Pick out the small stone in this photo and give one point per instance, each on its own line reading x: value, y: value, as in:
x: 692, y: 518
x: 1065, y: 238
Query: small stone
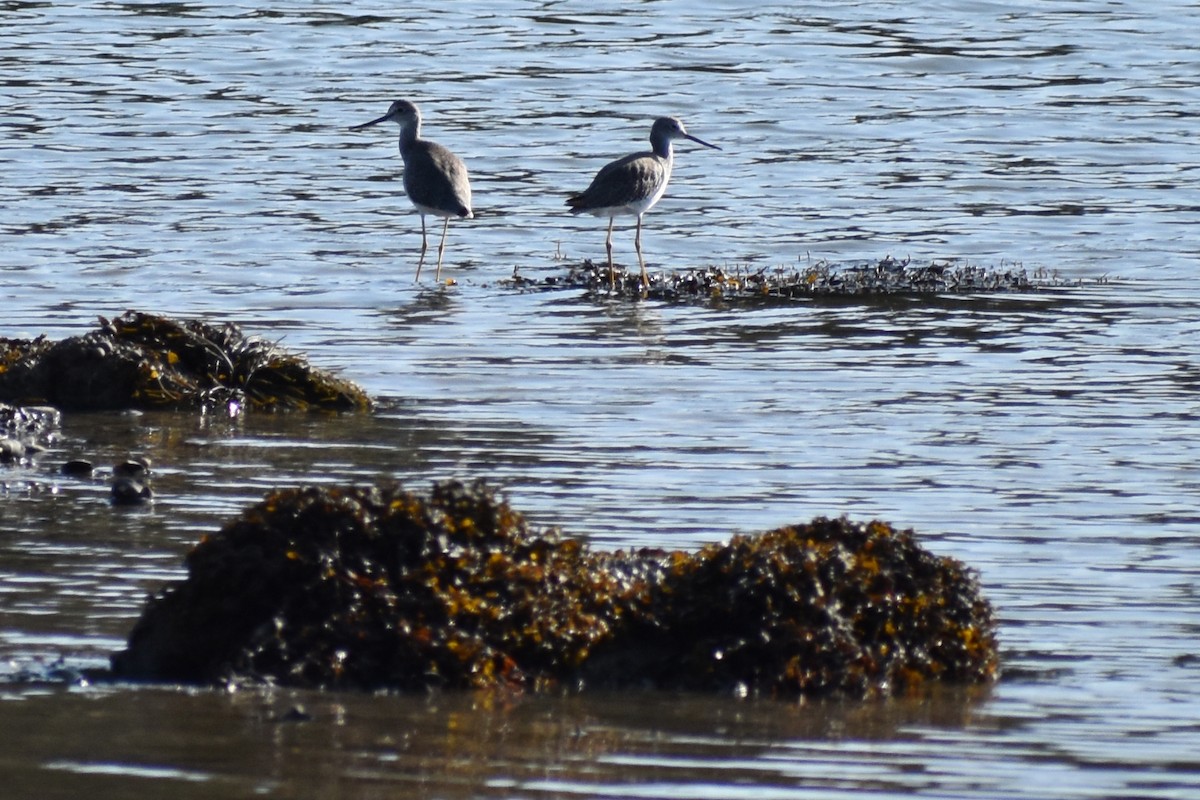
x: 297, y: 713
x: 11, y: 451
x: 77, y: 468
x: 129, y: 492
x: 136, y: 467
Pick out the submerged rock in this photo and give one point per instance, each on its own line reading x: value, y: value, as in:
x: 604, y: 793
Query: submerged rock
x: 77, y: 468
x: 131, y: 482
x: 145, y: 361
x: 380, y: 588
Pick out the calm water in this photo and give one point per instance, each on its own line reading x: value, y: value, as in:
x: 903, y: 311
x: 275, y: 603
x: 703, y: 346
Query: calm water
x: 195, y: 160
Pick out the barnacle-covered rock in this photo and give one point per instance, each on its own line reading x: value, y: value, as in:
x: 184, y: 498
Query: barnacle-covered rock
x: 145, y: 361
x: 886, y: 277
x: 382, y: 588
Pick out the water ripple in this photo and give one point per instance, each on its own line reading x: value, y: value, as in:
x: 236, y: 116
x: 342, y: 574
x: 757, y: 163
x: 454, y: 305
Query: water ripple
x: 197, y: 160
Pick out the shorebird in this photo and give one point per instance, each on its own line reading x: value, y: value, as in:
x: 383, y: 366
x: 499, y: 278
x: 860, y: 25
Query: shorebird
x: 435, y: 179
x: 632, y: 185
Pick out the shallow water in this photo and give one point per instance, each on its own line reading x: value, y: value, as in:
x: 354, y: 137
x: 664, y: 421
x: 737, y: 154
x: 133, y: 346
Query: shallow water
x: 195, y: 160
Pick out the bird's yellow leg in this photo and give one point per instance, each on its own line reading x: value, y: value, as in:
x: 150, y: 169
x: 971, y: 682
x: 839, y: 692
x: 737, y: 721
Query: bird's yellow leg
x: 612, y: 273
x: 637, y: 242
x: 442, y: 249
x: 424, y: 246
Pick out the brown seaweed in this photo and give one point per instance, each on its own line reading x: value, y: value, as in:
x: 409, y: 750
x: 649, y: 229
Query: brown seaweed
x: 887, y: 277
x: 145, y: 361
x: 381, y: 588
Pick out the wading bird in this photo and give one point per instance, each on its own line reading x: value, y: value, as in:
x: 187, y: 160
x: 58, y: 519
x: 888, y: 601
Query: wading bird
x: 632, y: 185
x: 435, y: 179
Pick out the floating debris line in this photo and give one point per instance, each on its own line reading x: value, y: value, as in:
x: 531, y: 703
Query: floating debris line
x: 380, y: 588
x: 887, y: 277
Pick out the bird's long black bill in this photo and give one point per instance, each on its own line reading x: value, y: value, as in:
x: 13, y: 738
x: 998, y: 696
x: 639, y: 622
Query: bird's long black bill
x: 369, y: 124
x: 700, y: 141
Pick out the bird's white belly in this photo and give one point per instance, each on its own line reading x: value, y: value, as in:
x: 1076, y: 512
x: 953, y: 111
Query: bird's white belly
x: 437, y: 212
x: 632, y: 208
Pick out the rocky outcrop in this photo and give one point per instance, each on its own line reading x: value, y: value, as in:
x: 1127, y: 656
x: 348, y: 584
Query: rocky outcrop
x: 143, y: 361
x: 381, y: 588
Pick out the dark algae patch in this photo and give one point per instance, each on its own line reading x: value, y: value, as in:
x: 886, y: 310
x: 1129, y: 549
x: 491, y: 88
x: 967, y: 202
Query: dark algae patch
x: 381, y: 588
x: 883, y: 278
x: 144, y: 361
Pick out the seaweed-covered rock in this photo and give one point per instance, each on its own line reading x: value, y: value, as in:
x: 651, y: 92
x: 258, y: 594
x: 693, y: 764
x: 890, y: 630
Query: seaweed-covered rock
x: 382, y: 588
x: 378, y: 587
x: 145, y: 361
x: 830, y: 606
x: 886, y: 277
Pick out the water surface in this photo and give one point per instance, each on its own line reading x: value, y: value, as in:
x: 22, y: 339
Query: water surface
x: 195, y: 160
